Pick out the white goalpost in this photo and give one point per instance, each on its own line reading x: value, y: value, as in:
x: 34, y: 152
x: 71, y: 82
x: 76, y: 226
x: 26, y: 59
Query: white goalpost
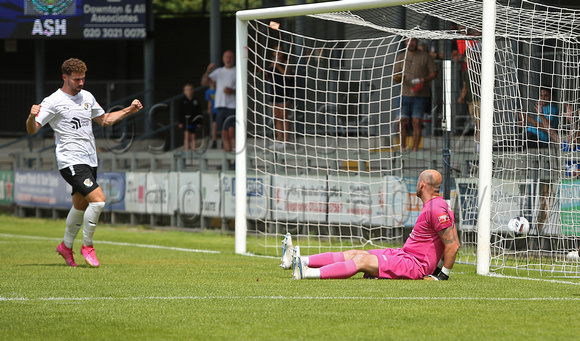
x: 318, y: 138
x: 486, y: 124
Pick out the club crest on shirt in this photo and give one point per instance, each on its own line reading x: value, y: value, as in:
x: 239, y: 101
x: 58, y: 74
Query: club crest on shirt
x: 444, y: 219
x: 88, y: 182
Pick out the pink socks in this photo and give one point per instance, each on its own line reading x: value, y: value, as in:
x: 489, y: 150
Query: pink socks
x: 339, y: 270
x: 322, y: 259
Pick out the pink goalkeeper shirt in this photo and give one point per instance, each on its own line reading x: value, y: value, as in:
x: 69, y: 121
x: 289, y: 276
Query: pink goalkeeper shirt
x: 424, y: 242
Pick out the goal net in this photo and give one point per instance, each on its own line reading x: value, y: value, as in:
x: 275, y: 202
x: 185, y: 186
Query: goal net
x: 322, y: 136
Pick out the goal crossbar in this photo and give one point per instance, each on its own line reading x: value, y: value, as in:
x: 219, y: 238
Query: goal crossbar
x: 317, y: 8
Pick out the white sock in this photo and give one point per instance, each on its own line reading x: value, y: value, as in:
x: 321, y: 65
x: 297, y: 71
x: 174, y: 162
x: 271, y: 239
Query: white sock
x: 305, y: 260
x: 74, y: 221
x: 312, y: 273
x: 90, y: 221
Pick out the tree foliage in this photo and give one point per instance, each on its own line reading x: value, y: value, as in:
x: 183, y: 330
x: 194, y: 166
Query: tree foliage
x: 200, y: 6
x: 180, y: 7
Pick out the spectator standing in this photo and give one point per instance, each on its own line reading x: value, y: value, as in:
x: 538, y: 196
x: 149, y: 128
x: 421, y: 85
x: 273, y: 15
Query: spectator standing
x: 467, y: 98
x: 310, y: 59
x: 189, y: 116
x: 211, y: 110
x: 282, y: 91
x: 419, y: 71
x: 225, y: 98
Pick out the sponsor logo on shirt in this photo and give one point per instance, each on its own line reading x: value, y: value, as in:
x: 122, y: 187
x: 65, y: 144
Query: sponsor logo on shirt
x: 76, y: 123
x: 444, y: 219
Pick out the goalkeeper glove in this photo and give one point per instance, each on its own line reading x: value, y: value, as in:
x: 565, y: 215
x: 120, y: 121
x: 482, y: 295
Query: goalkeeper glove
x: 437, y: 271
x: 440, y: 277
x: 440, y: 274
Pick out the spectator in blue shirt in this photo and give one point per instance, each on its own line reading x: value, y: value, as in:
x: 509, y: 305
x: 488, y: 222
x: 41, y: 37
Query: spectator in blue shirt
x: 542, y: 125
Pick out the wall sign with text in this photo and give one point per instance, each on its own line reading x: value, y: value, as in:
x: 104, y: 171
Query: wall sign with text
x: 73, y: 19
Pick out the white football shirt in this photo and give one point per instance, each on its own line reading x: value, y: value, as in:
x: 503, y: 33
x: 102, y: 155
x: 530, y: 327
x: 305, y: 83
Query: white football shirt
x: 71, y: 118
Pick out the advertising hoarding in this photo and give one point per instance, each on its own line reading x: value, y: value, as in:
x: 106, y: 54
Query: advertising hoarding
x: 73, y: 19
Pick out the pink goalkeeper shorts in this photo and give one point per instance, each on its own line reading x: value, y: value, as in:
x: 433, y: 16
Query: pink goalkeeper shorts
x: 396, y: 264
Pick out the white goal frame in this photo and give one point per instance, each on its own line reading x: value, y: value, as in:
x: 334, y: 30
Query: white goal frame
x: 485, y: 174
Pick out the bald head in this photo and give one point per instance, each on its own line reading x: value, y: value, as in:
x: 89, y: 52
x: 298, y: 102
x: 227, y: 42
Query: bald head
x: 229, y: 59
x: 432, y: 178
x: 429, y: 184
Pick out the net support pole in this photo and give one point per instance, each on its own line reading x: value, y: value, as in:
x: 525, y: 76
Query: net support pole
x: 241, y: 224
x: 447, y: 129
x: 486, y: 138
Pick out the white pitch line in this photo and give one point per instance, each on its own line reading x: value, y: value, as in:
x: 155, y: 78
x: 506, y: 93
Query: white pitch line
x: 28, y: 237
x: 149, y: 246
x: 258, y: 256
x: 533, y: 279
x: 319, y: 298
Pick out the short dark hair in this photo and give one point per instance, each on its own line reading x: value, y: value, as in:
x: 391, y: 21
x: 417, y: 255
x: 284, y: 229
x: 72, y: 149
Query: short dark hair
x: 547, y: 89
x: 73, y: 65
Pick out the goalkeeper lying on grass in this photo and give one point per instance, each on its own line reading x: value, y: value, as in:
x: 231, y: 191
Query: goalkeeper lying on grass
x: 433, y: 237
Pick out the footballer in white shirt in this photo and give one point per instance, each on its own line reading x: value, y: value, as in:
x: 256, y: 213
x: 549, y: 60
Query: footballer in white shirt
x: 70, y: 112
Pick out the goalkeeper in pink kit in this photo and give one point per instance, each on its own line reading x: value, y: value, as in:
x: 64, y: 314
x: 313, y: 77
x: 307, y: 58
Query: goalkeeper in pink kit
x: 434, y: 237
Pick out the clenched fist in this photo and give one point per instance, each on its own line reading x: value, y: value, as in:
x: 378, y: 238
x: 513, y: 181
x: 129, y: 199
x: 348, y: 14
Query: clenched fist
x: 34, y: 110
x: 136, y: 105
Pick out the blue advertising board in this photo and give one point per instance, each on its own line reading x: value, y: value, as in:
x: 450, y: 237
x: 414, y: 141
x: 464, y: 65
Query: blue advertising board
x: 113, y: 185
x: 41, y: 189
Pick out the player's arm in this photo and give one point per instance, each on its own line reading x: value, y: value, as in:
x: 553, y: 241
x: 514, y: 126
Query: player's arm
x: 111, y: 118
x: 32, y: 127
x: 451, y: 243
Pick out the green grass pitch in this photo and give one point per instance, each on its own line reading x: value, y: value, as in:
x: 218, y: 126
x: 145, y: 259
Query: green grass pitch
x: 159, y: 285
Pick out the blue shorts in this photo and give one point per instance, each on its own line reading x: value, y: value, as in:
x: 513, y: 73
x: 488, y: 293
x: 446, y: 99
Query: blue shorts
x: 413, y: 107
x: 226, y: 118
x: 192, y: 128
